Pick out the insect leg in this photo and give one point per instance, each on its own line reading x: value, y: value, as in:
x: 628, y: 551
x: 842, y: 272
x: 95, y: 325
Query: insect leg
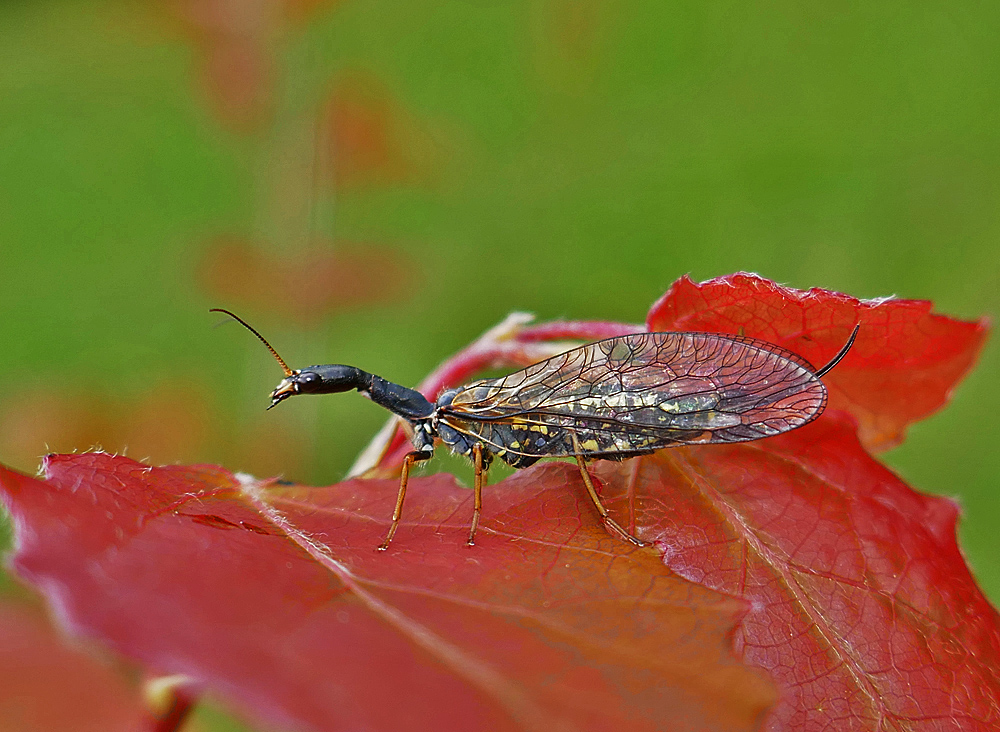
x: 404, y: 477
x: 480, y: 480
x: 609, y: 522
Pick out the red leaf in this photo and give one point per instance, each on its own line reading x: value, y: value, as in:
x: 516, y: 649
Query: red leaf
x: 363, y: 142
x: 914, y: 632
x: 860, y: 605
x: 238, y: 41
x: 371, y: 138
x: 237, y: 65
x: 47, y: 685
x: 310, y: 285
x: 275, y: 597
x: 902, y: 368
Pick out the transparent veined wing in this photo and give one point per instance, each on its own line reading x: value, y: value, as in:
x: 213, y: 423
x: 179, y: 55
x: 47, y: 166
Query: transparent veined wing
x: 641, y: 392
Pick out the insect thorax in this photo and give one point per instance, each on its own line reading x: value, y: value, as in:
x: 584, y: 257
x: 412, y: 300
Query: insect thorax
x: 457, y: 442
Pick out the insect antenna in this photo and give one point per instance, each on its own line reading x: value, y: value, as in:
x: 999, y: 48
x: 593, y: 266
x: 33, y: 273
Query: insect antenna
x: 839, y: 356
x: 234, y: 316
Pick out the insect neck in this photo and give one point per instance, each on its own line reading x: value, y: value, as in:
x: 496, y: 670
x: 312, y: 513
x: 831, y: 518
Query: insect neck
x: 409, y: 404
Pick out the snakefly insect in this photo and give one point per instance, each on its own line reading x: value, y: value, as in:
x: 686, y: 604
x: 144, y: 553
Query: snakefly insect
x: 610, y: 400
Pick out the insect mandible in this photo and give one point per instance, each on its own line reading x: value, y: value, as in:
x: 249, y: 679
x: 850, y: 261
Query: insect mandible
x: 612, y: 399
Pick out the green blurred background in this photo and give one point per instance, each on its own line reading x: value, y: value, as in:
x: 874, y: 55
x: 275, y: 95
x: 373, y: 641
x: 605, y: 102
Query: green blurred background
x: 376, y: 183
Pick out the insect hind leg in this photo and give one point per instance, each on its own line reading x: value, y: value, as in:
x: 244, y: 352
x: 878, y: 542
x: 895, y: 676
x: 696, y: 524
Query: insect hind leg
x: 613, y: 526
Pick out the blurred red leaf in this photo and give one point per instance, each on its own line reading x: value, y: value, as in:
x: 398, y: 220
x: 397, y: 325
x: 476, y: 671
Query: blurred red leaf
x: 275, y: 597
x: 363, y: 148
x: 237, y: 61
x: 239, y: 43
x: 371, y: 138
x: 308, y: 285
x: 858, y: 601
x: 47, y: 685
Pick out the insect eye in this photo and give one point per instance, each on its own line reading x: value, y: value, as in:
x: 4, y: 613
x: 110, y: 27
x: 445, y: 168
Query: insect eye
x: 307, y: 379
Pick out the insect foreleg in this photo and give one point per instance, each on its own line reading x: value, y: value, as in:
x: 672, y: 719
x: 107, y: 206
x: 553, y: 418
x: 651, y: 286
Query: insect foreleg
x: 404, y: 477
x: 609, y: 522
